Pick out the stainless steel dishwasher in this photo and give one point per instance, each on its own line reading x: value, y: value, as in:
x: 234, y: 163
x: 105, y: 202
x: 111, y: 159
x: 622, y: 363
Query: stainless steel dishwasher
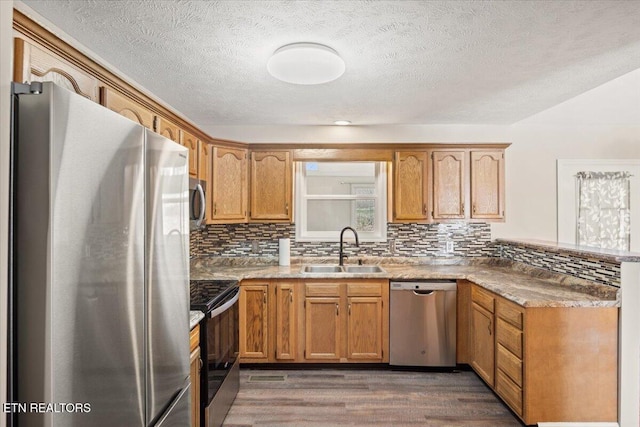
x: 422, y: 329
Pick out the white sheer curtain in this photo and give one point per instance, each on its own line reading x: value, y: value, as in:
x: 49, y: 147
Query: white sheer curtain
x: 603, y: 210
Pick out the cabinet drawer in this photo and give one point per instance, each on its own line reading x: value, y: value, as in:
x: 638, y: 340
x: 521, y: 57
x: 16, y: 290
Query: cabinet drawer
x: 509, y: 336
x: 482, y: 298
x: 322, y: 289
x: 508, y: 363
x: 364, y: 289
x: 509, y: 391
x: 194, y: 338
x: 510, y: 312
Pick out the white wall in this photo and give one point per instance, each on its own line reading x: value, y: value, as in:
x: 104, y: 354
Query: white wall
x: 603, y: 123
x: 6, y: 66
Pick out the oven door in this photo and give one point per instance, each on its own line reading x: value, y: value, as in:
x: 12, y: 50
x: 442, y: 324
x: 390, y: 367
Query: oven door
x: 197, y: 203
x: 220, y: 367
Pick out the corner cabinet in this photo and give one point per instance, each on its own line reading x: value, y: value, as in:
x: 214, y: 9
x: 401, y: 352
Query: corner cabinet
x: 410, y: 186
x: 547, y: 363
x: 229, y: 176
x: 271, y: 186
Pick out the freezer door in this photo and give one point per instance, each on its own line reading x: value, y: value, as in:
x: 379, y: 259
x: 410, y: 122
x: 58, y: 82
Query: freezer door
x: 167, y: 273
x: 80, y: 273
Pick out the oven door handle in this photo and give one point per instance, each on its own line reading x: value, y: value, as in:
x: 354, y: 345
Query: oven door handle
x: 224, y: 307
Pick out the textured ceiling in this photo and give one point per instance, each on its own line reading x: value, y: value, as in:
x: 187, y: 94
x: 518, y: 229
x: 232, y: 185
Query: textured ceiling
x: 408, y: 62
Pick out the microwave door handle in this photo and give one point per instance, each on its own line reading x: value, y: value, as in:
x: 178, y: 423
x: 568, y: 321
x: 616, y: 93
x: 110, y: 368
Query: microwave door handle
x: 200, y: 191
x: 224, y: 307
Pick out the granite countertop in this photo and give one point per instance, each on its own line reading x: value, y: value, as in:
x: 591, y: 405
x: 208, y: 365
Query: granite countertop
x: 526, y: 286
x: 195, y: 317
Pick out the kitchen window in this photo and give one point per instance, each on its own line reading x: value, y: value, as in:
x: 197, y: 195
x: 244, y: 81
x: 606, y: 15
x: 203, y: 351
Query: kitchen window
x: 332, y: 195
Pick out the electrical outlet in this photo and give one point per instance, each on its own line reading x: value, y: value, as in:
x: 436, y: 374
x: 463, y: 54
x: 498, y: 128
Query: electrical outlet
x: 392, y: 246
x: 254, y: 246
x: 449, y: 246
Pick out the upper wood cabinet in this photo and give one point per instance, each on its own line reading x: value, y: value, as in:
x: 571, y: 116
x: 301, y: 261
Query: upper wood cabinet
x: 33, y: 63
x: 442, y: 187
x: 410, y: 186
x: 126, y: 107
x: 229, y: 174
x: 193, y: 145
x: 487, y: 184
x: 449, y: 178
x: 167, y: 129
x: 204, y: 161
x: 271, y: 183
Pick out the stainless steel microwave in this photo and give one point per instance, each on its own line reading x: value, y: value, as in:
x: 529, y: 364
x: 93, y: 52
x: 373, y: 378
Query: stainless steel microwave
x: 197, y: 203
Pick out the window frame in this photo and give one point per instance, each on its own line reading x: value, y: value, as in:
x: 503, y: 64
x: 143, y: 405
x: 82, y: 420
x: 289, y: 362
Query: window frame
x: 301, y: 199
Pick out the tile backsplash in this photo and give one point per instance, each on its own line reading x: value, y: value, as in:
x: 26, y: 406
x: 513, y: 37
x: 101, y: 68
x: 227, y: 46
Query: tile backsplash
x: 413, y: 240
x: 559, y: 261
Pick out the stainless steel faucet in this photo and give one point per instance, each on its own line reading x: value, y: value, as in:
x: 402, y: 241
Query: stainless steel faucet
x: 342, y: 255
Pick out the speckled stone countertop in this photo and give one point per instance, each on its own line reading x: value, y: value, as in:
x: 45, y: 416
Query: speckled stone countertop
x: 195, y: 317
x: 526, y: 286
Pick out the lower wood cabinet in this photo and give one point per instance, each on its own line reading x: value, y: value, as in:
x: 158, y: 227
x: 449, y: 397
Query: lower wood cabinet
x: 196, y: 366
x: 547, y: 363
x: 253, y: 319
x: 320, y: 321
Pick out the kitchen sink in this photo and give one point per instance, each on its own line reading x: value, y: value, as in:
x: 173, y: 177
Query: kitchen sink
x: 363, y: 269
x: 339, y: 269
x: 322, y: 269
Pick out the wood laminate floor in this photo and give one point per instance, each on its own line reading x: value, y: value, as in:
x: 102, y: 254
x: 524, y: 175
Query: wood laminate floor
x: 323, y: 397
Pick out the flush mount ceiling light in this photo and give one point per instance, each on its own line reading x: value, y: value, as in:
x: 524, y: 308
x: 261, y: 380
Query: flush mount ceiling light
x: 305, y: 64
x: 342, y: 122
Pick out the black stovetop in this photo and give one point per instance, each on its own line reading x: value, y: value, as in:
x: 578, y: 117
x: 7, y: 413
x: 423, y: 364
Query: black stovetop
x: 205, y: 294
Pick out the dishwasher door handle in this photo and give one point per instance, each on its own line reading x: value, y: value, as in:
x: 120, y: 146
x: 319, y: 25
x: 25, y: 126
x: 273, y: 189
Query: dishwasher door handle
x: 423, y: 293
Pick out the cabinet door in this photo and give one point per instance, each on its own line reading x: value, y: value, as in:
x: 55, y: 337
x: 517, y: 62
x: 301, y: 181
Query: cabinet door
x: 270, y: 185
x: 204, y: 161
x: 167, y: 129
x: 483, y: 343
x: 286, y: 321
x: 34, y: 64
x: 322, y: 328
x: 410, y: 186
x: 364, y: 330
x: 229, y: 186
x: 253, y: 321
x: 192, y: 143
x: 449, y: 180
x: 126, y: 107
x: 196, y: 364
x: 487, y: 184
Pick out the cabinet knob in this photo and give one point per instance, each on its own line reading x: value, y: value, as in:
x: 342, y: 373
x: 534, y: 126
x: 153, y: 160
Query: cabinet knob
x: 349, y: 309
x: 337, y: 310
x: 462, y: 208
x: 291, y: 295
x: 264, y: 296
x: 286, y: 208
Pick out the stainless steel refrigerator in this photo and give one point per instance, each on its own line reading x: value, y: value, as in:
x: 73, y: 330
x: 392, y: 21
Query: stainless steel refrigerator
x: 101, y: 269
